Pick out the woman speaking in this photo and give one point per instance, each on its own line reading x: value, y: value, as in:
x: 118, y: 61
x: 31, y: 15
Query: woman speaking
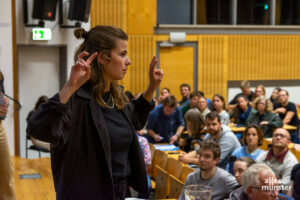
x: 90, y: 124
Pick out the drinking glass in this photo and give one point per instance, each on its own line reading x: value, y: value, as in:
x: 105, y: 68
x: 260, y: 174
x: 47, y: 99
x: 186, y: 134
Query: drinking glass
x: 198, y: 192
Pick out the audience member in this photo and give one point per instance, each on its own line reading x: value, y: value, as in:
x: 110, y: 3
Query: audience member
x: 279, y: 158
x: 258, y: 183
x: 287, y: 112
x: 259, y: 91
x: 219, y: 133
x: 164, y: 92
x: 207, y: 99
x: 165, y: 122
x: 7, y: 185
x: 194, y: 99
x: 147, y: 158
x: 295, y: 182
x: 252, y: 138
x: 202, y: 105
x: 240, y: 166
x: 185, y: 90
x: 246, y: 91
x: 221, y: 182
x: 218, y: 104
x: 264, y: 117
x: 243, y: 111
x: 41, y: 100
x: 274, y: 98
x: 194, y: 124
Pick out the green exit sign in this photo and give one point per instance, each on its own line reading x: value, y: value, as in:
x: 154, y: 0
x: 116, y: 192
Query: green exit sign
x: 41, y: 34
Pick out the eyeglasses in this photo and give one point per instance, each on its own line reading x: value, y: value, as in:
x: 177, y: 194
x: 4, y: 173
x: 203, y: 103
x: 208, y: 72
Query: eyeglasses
x: 266, y: 190
x: 279, y: 135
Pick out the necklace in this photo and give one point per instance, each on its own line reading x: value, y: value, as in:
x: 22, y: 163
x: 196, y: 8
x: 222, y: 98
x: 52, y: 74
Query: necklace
x: 109, y: 100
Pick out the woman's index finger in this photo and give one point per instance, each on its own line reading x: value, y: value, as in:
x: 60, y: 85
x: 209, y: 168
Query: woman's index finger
x: 91, y: 58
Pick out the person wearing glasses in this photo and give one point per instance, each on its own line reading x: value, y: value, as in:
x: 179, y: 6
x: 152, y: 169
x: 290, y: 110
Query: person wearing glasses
x: 279, y: 158
x: 259, y: 182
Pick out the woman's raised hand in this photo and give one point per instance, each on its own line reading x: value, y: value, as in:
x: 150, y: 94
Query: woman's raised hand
x: 155, y: 75
x: 80, y: 72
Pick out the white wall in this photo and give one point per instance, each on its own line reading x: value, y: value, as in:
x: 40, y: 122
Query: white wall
x: 37, y: 77
x: 293, y: 87
x: 59, y: 37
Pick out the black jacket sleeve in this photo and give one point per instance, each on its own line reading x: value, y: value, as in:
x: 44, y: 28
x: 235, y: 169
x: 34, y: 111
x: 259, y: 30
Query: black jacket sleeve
x: 50, y: 122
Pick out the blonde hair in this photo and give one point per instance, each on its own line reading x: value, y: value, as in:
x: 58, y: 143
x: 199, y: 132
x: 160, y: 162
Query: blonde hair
x: 269, y: 104
x: 101, y: 39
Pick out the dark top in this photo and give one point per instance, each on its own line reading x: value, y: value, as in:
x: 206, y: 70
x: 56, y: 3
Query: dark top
x: 121, y: 137
x: 164, y: 125
x: 289, y: 107
x: 295, y: 177
x: 81, y: 157
x: 183, y: 100
x: 274, y: 122
x: 234, y: 100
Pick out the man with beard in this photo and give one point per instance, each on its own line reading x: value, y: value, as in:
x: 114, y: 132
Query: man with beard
x: 221, y: 134
x: 221, y: 182
x: 279, y: 158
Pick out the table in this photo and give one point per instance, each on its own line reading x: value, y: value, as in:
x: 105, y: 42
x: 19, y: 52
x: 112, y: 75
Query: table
x: 240, y: 129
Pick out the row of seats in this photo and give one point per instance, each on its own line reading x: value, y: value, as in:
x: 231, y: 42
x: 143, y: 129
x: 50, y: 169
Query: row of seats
x: 168, y: 174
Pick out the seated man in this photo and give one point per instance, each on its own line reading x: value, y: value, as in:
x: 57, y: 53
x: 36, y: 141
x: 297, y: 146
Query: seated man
x: 287, y: 112
x: 279, y: 158
x: 258, y: 182
x: 194, y: 98
x: 221, y: 134
x: 246, y: 91
x: 185, y: 90
x: 165, y: 122
x: 221, y: 182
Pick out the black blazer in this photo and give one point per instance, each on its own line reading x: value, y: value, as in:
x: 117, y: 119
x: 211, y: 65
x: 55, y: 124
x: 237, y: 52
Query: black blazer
x: 80, y: 147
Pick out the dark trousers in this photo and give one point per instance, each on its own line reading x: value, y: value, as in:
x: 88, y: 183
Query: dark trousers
x: 121, y: 190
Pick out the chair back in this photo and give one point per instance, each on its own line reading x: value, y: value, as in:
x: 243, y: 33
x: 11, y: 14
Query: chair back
x: 176, y: 186
x: 185, y: 172
x: 174, y: 167
x: 160, y: 158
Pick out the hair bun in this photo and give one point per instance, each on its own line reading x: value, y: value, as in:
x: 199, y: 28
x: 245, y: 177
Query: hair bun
x: 80, y: 33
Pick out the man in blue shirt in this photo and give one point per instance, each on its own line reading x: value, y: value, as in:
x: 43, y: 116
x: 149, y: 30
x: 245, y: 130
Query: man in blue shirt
x: 165, y: 122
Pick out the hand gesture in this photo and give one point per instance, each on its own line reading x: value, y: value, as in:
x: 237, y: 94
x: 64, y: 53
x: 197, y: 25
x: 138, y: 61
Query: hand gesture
x: 155, y: 75
x: 80, y: 72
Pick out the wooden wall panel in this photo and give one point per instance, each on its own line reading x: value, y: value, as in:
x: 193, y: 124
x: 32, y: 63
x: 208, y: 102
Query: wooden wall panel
x: 141, y: 17
x: 141, y: 50
x: 263, y: 57
x: 109, y: 12
x: 212, y: 67
x: 177, y: 71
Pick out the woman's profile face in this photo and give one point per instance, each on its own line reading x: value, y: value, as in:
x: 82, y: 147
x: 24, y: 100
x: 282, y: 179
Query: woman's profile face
x: 116, y: 66
x: 239, y: 168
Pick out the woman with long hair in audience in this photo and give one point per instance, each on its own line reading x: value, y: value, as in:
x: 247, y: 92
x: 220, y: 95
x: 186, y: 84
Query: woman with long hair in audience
x: 259, y: 91
x: 274, y: 96
x: 265, y: 118
x: 242, y: 111
x: 240, y: 166
x: 195, y: 125
x: 202, y: 105
x: 252, y: 138
x: 218, y: 104
x: 164, y: 92
x: 95, y: 153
